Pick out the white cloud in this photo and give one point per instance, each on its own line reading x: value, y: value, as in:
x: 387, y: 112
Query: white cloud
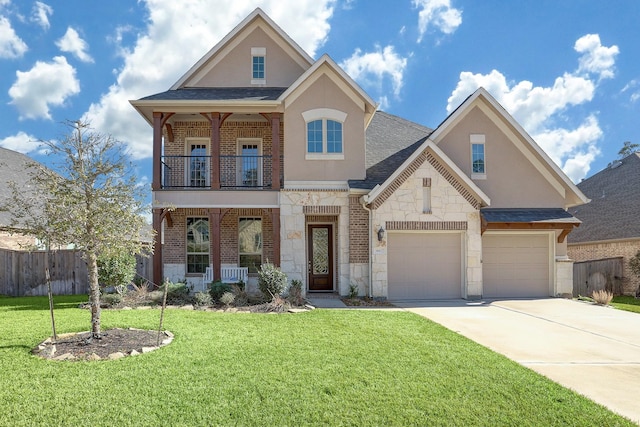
x: 543, y: 111
x: 372, y: 68
x: 439, y: 14
x: 11, y: 46
x: 20, y: 142
x: 159, y: 58
x: 632, y: 87
x: 46, y: 84
x: 596, y: 58
x: 40, y: 14
x: 72, y: 42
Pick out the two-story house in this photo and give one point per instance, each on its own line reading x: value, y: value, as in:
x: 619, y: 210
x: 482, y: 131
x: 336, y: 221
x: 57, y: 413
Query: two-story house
x: 261, y: 153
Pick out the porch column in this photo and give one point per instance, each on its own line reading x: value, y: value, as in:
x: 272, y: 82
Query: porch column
x: 156, y: 276
x: 157, y: 151
x: 215, y: 152
x: 214, y: 241
x: 275, y: 220
x: 275, y: 151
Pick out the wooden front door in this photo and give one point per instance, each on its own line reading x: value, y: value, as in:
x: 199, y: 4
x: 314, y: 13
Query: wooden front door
x: 320, y: 255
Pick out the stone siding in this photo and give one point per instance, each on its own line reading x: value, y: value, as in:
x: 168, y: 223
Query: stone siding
x: 624, y: 248
x: 450, y: 209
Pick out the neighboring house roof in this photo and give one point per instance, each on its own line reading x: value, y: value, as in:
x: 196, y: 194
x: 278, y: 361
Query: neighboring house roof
x: 615, y: 203
x: 219, y: 94
x: 13, y: 168
x: 390, y: 141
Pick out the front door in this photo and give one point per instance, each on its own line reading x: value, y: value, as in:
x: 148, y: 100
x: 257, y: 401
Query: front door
x: 320, y: 255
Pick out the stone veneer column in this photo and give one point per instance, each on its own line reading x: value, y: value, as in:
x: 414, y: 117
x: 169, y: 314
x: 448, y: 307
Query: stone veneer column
x: 564, y: 277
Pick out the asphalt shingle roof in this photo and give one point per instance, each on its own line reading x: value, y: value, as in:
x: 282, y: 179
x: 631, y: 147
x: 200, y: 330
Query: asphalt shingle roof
x: 528, y: 215
x: 13, y: 167
x: 219, y: 94
x: 390, y: 140
x: 615, y: 203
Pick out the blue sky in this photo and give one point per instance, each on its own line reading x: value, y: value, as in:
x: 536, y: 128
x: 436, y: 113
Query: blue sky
x: 569, y: 71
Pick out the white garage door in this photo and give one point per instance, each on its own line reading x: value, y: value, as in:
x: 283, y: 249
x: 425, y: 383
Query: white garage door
x: 515, y: 265
x: 424, y: 265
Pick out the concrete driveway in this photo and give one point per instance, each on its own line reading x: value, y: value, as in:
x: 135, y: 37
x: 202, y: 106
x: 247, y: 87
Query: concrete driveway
x: 591, y: 349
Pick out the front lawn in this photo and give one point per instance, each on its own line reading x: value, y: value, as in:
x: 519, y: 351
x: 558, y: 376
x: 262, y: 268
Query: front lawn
x: 324, y: 367
x: 626, y: 303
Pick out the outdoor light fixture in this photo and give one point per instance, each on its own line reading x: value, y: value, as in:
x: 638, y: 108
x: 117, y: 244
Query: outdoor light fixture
x: 380, y: 234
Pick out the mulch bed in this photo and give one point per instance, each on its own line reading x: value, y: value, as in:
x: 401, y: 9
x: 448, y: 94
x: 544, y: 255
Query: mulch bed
x: 366, y: 302
x: 113, y: 344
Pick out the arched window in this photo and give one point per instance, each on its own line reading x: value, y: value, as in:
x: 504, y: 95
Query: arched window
x: 325, y: 136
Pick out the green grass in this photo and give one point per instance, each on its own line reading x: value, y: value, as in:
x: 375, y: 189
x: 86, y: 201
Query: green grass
x: 317, y: 368
x: 626, y: 303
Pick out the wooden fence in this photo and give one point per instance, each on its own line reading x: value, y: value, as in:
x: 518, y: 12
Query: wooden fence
x: 589, y: 276
x: 23, y: 273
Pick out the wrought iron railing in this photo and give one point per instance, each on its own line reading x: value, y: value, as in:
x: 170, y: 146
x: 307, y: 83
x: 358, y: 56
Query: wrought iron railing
x: 236, y: 172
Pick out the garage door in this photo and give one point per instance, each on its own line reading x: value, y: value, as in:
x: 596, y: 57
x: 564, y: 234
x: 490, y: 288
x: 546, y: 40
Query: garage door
x: 424, y: 265
x: 515, y: 265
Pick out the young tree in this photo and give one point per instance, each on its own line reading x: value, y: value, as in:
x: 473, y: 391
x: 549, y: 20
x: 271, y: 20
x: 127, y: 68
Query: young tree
x: 90, y: 198
x: 627, y: 148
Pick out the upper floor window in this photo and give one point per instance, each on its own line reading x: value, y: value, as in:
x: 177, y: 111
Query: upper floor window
x: 258, y: 65
x: 324, y: 134
x: 478, y: 159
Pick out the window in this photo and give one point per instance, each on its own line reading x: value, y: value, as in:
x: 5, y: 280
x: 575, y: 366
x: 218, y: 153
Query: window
x: 250, y: 243
x: 324, y: 134
x: 258, y: 65
x: 198, y: 166
x: 478, y: 161
x: 197, y: 245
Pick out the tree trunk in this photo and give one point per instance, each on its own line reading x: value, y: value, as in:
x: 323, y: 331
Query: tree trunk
x: 94, y: 293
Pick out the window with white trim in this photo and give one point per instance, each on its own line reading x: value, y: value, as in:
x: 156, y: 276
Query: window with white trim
x: 197, y: 245
x: 250, y: 243
x: 258, y: 65
x: 478, y: 156
x: 325, y: 136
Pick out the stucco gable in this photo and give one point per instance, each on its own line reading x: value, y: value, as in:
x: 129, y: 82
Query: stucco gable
x: 257, y: 21
x: 527, y: 147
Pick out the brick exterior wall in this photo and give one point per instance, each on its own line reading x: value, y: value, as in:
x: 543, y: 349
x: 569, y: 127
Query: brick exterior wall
x: 174, y: 250
x: 625, y: 249
x: 358, y: 232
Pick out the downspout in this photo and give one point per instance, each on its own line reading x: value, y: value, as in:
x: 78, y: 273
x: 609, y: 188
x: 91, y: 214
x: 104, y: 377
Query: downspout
x: 364, y: 206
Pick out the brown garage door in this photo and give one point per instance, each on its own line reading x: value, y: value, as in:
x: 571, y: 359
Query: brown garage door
x: 424, y: 265
x: 515, y: 265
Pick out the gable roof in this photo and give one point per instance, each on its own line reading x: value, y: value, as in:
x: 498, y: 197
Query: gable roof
x: 336, y: 72
x: 218, y: 94
x: 615, y: 203
x: 538, y: 158
x: 261, y: 18
x: 390, y: 140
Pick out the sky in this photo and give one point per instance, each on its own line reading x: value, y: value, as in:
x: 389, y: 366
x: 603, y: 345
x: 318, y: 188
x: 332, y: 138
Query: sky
x: 568, y: 71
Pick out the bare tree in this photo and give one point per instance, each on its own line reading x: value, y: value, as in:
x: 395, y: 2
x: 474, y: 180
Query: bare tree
x: 90, y: 198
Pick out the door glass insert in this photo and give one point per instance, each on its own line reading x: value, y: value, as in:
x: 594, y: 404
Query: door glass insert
x: 198, y: 171
x: 250, y: 166
x: 320, y: 250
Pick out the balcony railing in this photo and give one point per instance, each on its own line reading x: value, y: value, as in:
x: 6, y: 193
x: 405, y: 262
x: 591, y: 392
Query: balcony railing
x: 236, y: 172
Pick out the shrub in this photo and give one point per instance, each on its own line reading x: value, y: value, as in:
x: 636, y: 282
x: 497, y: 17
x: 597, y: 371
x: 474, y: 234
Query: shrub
x: 227, y: 298
x: 602, y: 297
x: 295, y: 293
x: 202, y: 299
x: 353, y: 290
x: 241, y: 295
x: 177, y: 293
x: 111, y: 299
x: 217, y: 288
x: 271, y: 280
x: 116, y: 270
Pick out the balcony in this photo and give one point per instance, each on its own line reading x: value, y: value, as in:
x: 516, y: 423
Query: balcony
x: 236, y: 172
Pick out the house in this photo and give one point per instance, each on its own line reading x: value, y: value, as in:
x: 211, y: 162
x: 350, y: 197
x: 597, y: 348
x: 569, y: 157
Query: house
x: 261, y: 153
x: 610, y: 226
x: 13, y: 168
